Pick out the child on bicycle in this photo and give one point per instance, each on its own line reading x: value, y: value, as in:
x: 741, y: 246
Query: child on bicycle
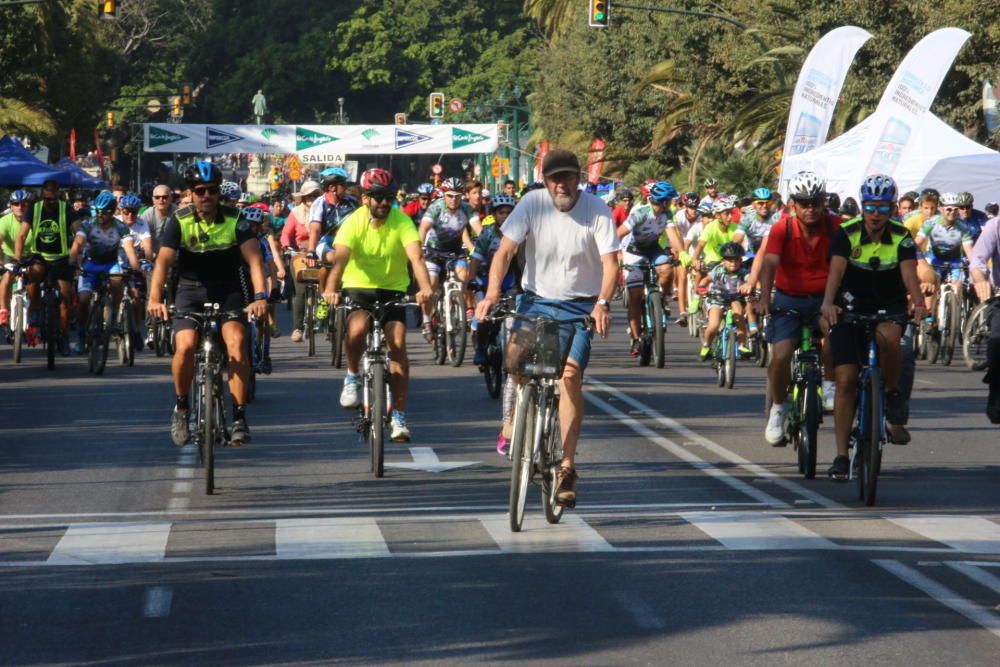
x: 723, y: 283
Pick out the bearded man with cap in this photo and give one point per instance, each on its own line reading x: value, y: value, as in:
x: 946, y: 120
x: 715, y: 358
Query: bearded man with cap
x: 571, y: 269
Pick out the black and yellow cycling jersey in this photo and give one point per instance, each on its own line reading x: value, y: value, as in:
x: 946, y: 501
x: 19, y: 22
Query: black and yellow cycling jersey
x: 50, y: 234
x: 207, y: 252
x: 873, y: 278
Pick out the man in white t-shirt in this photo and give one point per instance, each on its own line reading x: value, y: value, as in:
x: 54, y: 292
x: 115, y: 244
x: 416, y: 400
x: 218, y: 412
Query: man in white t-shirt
x: 570, y: 271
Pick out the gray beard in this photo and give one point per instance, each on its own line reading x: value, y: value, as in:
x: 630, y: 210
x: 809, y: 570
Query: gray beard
x: 563, y: 203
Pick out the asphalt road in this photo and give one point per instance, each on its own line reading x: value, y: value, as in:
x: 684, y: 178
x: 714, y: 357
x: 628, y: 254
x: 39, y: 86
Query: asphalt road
x: 693, y: 542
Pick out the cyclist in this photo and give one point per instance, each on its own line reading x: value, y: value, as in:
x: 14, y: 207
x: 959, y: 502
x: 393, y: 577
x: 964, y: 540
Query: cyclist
x: 325, y: 217
x: 711, y: 192
x: 371, y: 254
x: 209, y: 244
x: 10, y: 228
x: 754, y: 226
x: 687, y: 216
x: 986, y: 253
x: 906, y: 203
x: 157, y: 215
x: 416, y: 208
x: 872, y: 268
x: 295, y: 238
x: 99, y: 241
x: 479, y: 262
x: 571, y: 270
x: 142, y: 244
x: 973, y: 218
x: 447, y: 226
x: 796, y: 263
x: 230, y: 194
x: 724, y: 281
x: 46, y: 238
x: 946, y: 239
x: 716, y: 233
x: 641, y: 235
x: 624, y: 199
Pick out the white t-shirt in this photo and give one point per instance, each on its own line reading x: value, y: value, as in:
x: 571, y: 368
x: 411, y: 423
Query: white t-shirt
x: 562, y: 251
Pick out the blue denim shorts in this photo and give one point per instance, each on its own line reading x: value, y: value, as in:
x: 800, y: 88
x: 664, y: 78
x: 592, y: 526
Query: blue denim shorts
x: 784, y: 327
x: 579, y: 353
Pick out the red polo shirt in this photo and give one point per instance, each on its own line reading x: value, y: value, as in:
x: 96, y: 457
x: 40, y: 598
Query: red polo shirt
x: 804, y: 267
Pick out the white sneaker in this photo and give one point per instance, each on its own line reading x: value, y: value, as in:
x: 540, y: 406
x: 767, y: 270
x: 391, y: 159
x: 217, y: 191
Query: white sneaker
x: 350, y: 396
x: 397, y: 427
x: 829, y: 391
x: 775, y: 431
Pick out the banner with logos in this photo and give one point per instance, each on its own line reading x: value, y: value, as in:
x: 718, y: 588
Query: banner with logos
x: 818, y: 88
x: 326, y: 140
x: 907, y: 98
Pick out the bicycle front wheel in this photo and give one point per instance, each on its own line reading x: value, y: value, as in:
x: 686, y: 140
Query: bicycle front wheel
x: 17, y: 315
x: 659, y: 330
x: 871, y: 439
x: 310, y: 323
x: 52, y: 332
x: 521, y: 453
x: 376, y: 433
x: 457, y: 335
x: 730, y: 363
x: 209, y: 430
x: 337, y: 335
x: 951, y: 331
x: 811, y: 413
x: 553, y: 456
x: 975, y: 336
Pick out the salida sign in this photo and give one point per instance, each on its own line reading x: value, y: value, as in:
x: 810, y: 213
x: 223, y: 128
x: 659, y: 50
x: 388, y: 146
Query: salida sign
x: 320, y: 158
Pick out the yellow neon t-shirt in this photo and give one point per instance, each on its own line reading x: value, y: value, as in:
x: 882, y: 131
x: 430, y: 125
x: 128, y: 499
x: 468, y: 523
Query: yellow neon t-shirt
x: 378, y: 254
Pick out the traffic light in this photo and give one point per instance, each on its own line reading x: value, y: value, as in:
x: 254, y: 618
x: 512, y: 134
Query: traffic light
x: 176, y: 108
x: 401, y: 119
x: 186, y: 94
x: 600, y: 13
x: 437, y: 105
x: 107, y: 9
x: 110, y: 120
x: 502, y: 131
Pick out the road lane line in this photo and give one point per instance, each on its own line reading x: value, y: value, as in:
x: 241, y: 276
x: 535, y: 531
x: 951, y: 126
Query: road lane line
x: 157, y: 602
x: 943, y: 594
x: 964, y: 533
x: 537, y: 536
x: 111, y: 543
x: 685, y: 455
x: 329, y: 538
x: 184, y: 473
x: 745, y: 531
x: 181, y: 488
x: 978, y: 575
x: 727, y: 454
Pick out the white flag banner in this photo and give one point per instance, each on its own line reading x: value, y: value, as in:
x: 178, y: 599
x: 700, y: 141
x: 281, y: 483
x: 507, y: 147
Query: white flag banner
x: 324, y: 140
x: 907, y: 98
x: 818, y: 88
x: 990, y: 108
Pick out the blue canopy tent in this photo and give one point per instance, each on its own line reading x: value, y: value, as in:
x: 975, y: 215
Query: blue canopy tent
x: 18, y: 167
x: 81, y: 178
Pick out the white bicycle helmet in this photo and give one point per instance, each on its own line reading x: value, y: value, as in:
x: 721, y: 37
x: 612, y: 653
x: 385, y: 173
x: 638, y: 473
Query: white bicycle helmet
x: 806, y: 185
x: 721, y: 204
x: 252, y: 214
x: 949, y: 199
x: 965, y: 199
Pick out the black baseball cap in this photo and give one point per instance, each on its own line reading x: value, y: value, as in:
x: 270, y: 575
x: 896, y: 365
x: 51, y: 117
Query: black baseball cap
x: 559, y: 161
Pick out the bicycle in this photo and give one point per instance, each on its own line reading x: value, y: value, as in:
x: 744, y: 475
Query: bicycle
x: 725, y: 346
x: 100, y: 323
x: 868, y: 437
x: 448, y: 321
x: 337, y: 335
x: 940, y: 338
x: 537, y: 354
x: 653, y: 322
x: 211, y: 430
x: 495, y: 330
x: 376, y: 405
x: 126, y: 329
x: 163, y: 341
x: 976, y: 334
x: 17, y: 327
x: 806, y: 407
x: 310, y: 278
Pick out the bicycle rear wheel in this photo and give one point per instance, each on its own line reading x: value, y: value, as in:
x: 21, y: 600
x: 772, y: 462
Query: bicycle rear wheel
x: 458, y: 335
x: 951, y: 331
x: 438, y: 331
x: 659, y: 329
x: 310, y: 323
x: 493, y: 370
x: 17, y: 315
x: 730, y: 364
x: 209, y: 429
x: 811, y: 413
x: 520, y: 451
x: 376, y: 433
x: 975, y: 336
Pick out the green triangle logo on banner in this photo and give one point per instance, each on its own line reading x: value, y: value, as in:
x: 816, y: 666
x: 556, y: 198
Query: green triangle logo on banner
x: 462, y: 138
x: 306, y: 139
x: 160, y: 136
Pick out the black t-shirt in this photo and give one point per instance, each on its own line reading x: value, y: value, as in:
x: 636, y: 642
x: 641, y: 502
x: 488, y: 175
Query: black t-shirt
x: 874, y: 290
x: 217, y: 267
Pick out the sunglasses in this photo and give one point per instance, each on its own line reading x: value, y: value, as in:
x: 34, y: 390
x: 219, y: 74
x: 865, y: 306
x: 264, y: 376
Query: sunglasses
x: 161, y: 196
x: 949, y: 209
x: 964, y: 208
x: 883, y: 209
x: 20, y: 203
x: 380, y: 197
x: 810, y: 203
x: 206, y: 190
x: 452, y: 195
x: 762, y: 201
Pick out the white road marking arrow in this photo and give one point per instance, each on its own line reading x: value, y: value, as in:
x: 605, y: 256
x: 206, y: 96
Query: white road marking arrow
x: 425, y: 459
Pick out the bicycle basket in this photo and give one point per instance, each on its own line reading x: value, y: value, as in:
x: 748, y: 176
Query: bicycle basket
x: 539, y: 349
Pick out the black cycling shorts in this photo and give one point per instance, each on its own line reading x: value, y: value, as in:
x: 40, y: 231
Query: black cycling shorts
x: 364, y: 298
x: 847, y: 341
x: 194, y: 297
x: 59, y: 269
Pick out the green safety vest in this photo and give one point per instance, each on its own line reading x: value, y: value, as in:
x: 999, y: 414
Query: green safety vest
x: 220, y: 235
x: 887, y: 251
x: 49, y: 236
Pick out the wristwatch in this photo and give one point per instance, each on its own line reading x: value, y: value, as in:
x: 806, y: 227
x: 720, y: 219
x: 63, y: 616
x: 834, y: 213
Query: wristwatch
x: 259, y: 296
x: 604, y: 302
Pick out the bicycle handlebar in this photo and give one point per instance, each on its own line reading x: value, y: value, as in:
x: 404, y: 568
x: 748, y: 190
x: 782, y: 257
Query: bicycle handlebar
x: 536, y: 319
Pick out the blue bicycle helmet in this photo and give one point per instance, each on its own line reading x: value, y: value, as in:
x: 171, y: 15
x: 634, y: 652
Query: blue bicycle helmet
x: 105, y: 203
x: 761, y: 194
x: 334, y: 176
x: 201, y: 173
x: 230, y: 191
x: 131, y: 202
x: 425, y: 189
x: 662, y: 192
x: 19, y: 197
x: 878, y: 187
x: 502, y: 200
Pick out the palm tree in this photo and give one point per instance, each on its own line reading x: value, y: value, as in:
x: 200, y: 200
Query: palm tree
x: 552, y: 16
x: 16, y: 117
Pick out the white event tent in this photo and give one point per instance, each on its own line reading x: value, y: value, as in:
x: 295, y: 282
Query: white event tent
x: 937, y: 156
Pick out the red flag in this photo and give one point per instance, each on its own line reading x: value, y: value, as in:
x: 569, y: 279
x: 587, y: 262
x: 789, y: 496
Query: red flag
x: 596, y: 162
x: 543, y: 150
x: 72, y: 144
x: 100, y: 153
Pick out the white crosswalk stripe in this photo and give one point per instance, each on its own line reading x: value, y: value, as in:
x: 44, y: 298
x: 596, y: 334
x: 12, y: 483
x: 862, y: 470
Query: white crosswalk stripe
x: 111, y: 544
x: 964, y: 533
x: 536, y: 536
x: 744, y: 530
x: 328, y: 538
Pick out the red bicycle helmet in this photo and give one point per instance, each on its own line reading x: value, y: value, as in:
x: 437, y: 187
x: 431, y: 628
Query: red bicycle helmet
x: 377, y: 180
